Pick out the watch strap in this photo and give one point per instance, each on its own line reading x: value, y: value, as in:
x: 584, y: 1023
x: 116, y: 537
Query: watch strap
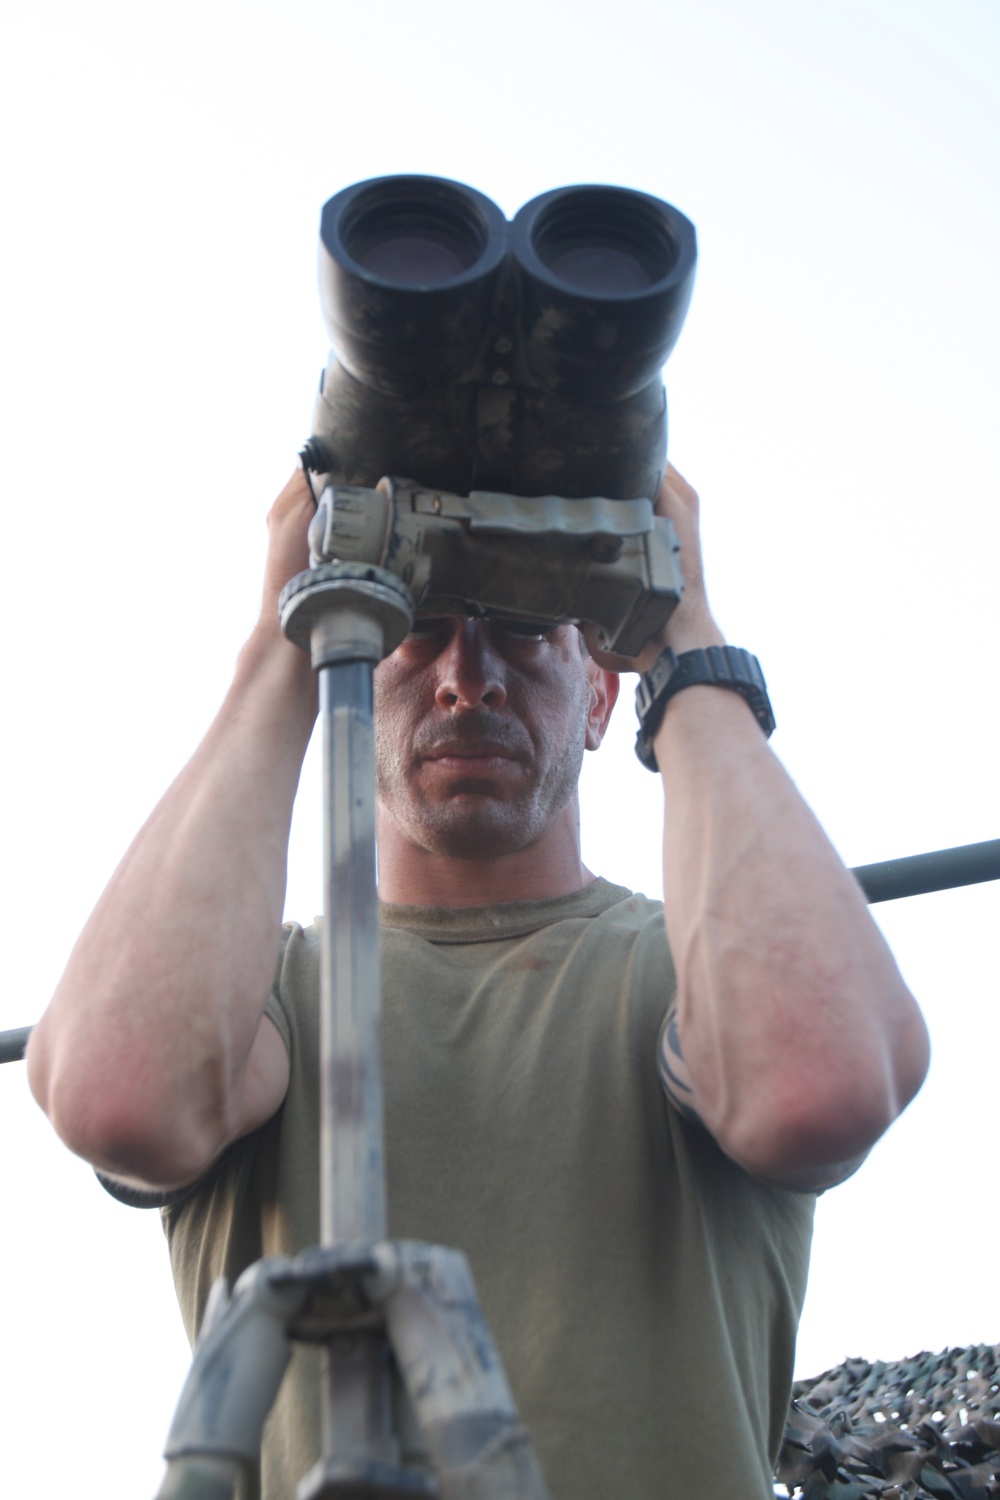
x: 711, y: 666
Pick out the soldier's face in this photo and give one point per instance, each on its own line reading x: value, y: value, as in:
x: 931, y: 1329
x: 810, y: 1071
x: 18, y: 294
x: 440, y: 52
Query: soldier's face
x: 480, y: 729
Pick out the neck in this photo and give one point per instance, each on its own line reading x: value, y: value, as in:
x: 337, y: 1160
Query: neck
x: 411, y: 875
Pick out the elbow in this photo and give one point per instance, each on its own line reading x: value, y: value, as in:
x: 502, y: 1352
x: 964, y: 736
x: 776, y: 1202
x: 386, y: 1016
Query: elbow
x: 119, y: 1122
x: 808, y: 1143
x: 128, y: 1140
x: 816, y: 1123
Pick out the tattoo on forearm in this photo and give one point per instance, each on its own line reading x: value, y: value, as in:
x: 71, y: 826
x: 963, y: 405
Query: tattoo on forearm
x: 669, y: 1052
x: 672, y: 1044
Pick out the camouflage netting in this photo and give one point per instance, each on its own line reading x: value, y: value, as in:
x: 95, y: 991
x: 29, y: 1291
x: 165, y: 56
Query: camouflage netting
x: 926, y: 1428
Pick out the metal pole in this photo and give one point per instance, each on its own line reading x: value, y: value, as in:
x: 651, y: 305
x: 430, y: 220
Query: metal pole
x: 349, y: 616
x: 916, y: 874
x: 352, y: 1174
x: 13, y: 1044
x: 357, y: 1411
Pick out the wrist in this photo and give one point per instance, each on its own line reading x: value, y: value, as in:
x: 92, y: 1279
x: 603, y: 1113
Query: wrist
x: 699, y: 717
x: 268, y: 643
x: 735, y: 671
x: 270, y: 662
x: 692, y: 630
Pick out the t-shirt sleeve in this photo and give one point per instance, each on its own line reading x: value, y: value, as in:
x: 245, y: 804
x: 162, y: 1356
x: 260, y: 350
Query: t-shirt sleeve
x: 133, y: 1195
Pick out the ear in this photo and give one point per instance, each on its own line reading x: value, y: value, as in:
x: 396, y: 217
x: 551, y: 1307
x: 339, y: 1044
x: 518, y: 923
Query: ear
x: 604, y: 687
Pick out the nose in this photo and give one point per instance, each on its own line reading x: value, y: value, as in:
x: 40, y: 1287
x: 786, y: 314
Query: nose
x: 471, y: 671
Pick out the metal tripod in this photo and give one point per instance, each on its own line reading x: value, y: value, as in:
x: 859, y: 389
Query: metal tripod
x: 414, y: 1400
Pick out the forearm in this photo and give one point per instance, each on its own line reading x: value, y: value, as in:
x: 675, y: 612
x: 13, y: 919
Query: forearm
x: 800, y: 1040
x: 141, y: 1059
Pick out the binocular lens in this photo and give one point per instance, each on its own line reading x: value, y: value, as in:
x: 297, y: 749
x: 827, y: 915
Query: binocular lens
x: 600, y: 268
x: 604, y: 278
x: 410, y: 242
x: 411, y: 260
x: 605, y: 244
x: 522, y: 357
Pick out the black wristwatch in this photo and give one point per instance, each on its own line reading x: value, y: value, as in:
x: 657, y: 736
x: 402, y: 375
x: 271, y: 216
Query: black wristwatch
x: 715, y: 666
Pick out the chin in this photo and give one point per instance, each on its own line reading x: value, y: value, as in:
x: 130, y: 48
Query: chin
x: 483, y: 841
x: 481, y: 832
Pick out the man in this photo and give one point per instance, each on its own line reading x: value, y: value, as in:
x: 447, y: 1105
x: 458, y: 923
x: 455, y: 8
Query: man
x: 625, y: 1144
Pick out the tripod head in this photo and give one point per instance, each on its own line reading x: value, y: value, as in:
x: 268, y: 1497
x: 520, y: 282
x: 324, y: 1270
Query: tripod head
x: 540, y: 561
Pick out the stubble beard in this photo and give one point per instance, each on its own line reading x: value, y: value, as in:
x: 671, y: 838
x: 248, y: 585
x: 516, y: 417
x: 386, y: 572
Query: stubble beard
x: 475, y: 820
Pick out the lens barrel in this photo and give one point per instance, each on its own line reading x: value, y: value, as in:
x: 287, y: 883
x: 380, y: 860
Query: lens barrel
x: 605, y: 277
x: 473, y: 353
x: 408, y: 270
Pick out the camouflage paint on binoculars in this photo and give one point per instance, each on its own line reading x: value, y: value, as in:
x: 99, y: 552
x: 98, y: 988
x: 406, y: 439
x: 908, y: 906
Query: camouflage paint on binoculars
x: 473, y: 353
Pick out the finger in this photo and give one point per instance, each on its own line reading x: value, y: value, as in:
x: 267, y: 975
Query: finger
x: 293, y: 499
x: 677, y: 499
x: 676, y: 479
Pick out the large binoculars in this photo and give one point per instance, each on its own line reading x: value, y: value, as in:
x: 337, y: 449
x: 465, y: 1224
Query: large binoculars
x: 470, y: 353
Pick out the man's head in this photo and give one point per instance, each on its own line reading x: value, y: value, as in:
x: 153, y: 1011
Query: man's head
x: 481, y: 727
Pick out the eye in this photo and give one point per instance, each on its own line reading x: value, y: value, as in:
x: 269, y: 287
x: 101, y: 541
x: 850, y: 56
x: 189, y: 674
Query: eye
x: 427, y: 628
x: 520, y: 630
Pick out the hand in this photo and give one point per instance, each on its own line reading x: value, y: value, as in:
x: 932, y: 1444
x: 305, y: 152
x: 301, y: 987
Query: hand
x: 691, y: 625
x: 287, y: 544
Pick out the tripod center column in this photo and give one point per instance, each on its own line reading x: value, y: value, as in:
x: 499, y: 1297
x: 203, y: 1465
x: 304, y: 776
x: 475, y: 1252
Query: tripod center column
x: 348, y: 616
x: 352, y: 1193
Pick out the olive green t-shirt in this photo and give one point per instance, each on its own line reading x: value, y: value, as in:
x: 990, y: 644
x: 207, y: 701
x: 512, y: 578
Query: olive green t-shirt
x: 643, y: 1290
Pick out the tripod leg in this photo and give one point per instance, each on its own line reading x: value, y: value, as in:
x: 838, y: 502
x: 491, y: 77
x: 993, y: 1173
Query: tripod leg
x: 453, y: 1372
x: 239, y: 1362
x: 199, y: 1479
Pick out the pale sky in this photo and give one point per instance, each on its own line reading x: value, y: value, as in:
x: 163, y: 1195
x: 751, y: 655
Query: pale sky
x: 833, y: 397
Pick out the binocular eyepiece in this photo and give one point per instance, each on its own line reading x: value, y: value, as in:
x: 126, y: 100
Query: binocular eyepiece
x: 472, y: 353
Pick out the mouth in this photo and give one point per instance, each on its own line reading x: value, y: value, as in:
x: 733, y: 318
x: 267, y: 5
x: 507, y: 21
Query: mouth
x: 470, y: 755
x: 472, y: 758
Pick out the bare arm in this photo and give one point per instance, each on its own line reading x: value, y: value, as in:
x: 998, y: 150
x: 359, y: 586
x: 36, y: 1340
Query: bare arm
x: 154, y: 1053
x: 796, y: 1041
